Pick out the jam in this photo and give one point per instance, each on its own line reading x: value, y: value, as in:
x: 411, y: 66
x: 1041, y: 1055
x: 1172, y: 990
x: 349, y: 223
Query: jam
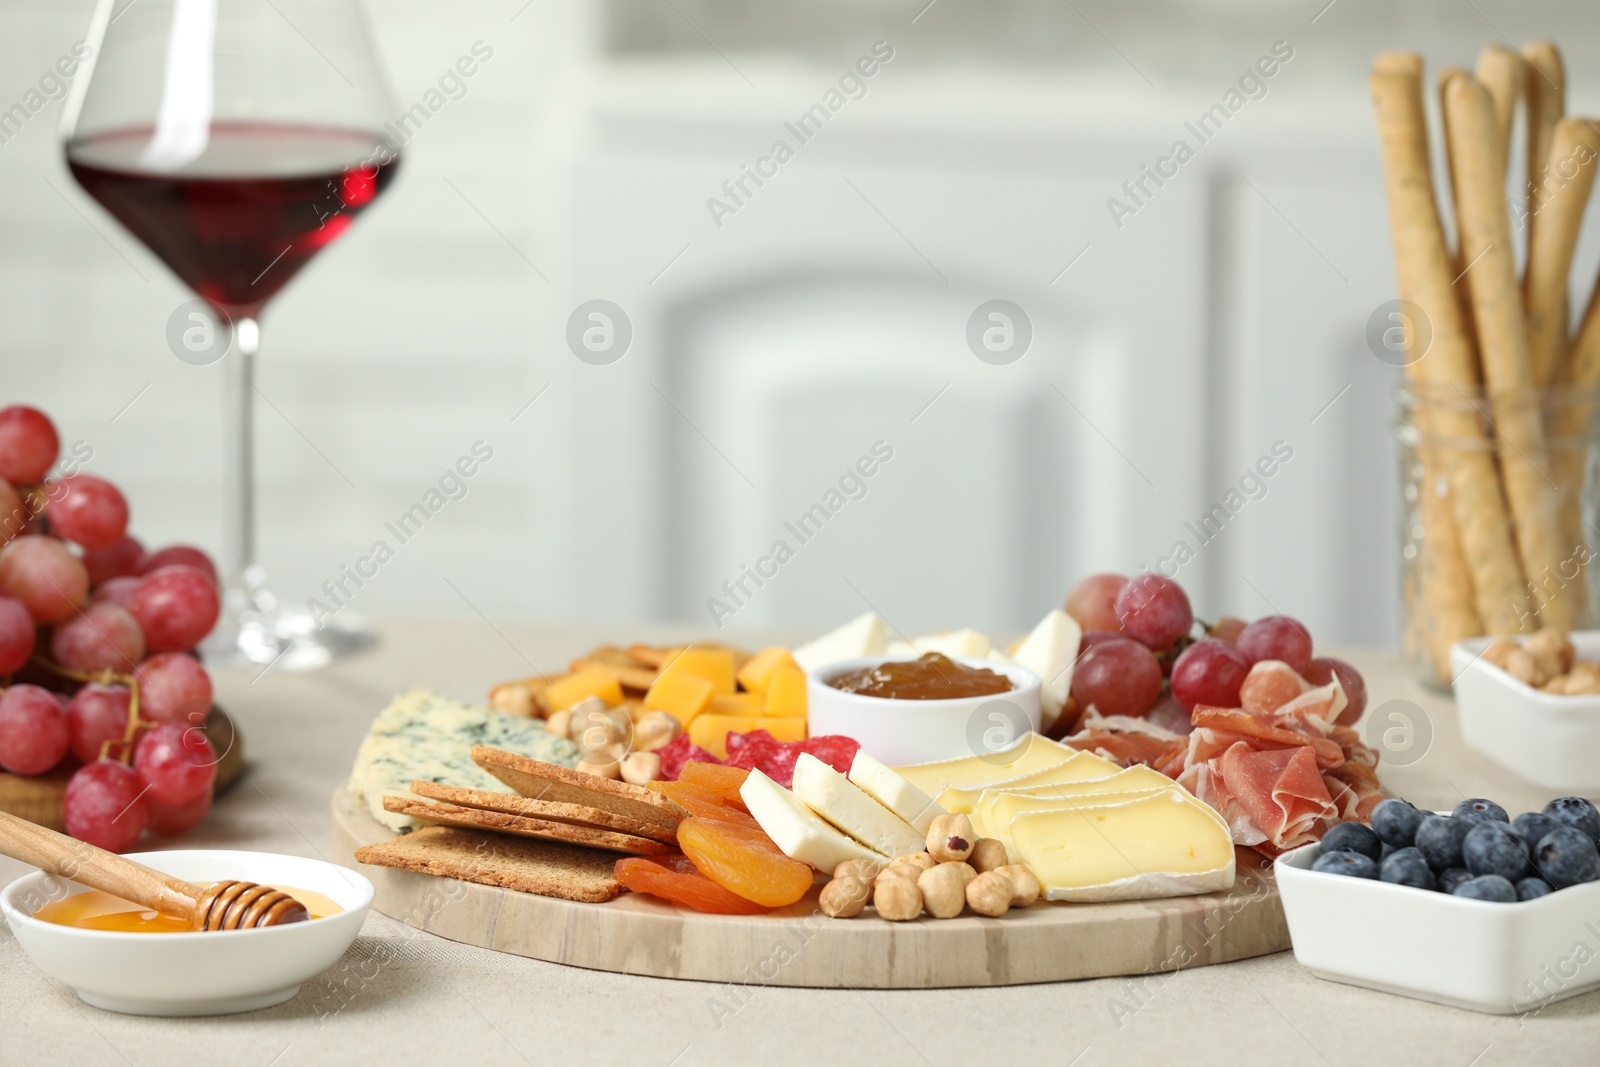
x: 95, y: 910
x: 932, y: 677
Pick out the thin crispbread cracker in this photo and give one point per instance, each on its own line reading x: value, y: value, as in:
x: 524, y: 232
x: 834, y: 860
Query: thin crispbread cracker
x: 577, y: 814
x: 547, y: 868
x: 545, y: 781
x: 522, y: 826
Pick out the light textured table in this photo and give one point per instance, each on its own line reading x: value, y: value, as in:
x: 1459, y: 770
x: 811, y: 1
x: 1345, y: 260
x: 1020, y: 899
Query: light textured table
x: 404, y: 997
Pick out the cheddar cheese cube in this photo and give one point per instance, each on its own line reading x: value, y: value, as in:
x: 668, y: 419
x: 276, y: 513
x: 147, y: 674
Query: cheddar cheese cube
x: 756, y: 674
x: 785, y: 729
x: 563, y: 693
x: 786, y: 694
x: 680, y: 694
x: 751, y: 704
x: 710, y: 731
x: 715, y: 665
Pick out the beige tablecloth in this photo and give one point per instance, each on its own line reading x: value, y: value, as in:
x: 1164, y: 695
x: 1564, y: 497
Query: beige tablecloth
x: 436, y: 1002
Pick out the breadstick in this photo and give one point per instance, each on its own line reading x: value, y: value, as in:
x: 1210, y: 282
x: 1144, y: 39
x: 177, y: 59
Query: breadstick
x: 1502, y: 331
x: 1503, y: 73
x: 1546, y: 97
x: 1425, y: 270
x: 1442, y: 569
x: 1442, y: 78
x: 1570, y: 168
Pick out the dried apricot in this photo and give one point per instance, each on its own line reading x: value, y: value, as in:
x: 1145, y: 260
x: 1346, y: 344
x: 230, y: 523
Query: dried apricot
x: 675, y: 878
x: 698, y: 800
x: 720, y: 779
x: 743, y: 860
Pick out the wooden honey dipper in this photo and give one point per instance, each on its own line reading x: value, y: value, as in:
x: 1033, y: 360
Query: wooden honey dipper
x: 227, y: 905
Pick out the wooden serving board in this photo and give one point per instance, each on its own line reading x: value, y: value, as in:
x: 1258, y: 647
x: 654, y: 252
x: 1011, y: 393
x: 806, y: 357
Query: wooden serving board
x: 800, y: 946
x: 38, y: 799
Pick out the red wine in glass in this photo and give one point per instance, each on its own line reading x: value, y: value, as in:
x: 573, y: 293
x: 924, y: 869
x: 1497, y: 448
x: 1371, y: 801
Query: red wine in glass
x: 241, y: 219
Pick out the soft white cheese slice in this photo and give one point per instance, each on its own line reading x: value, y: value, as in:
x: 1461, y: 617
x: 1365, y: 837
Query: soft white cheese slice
x: 955, y: 643
x: 846, y: 806
x: 901, y: 650
x: 992, y: 814
x: 1050, y: 652
x: 796, y: 830
x: 1079, y: 767
x: 894, y: 792
x: 1031, y: 753
x: 1161, y: 845
x: 866, y: 635
x: 996, y: 817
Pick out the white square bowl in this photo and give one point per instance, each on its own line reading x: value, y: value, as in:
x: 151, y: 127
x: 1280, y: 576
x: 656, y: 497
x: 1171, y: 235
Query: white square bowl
x: 1504, y: 959
x: 1549, y: 740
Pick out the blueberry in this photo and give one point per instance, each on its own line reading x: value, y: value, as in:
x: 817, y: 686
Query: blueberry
x: 1451, y: 877
x: 1575, y: 811
x: 1567, y: 856
x: 1396, y: 821
x: 1531, y: 887
x: 1407, y: 867
x: 1351, y: 863
x: 1439, y: 840
x: 1533, y: 826
x: 1488, y: 887
x: 1479, y: 810
x: 1495, y: 848
x: 1352, y: 837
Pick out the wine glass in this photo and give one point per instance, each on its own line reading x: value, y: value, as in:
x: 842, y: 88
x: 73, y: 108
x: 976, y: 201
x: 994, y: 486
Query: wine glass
x: 236, y: 139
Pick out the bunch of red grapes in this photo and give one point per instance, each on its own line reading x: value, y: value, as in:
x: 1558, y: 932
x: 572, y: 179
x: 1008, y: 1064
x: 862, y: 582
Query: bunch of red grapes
x: 1138, y: 638
x: 96, y: 648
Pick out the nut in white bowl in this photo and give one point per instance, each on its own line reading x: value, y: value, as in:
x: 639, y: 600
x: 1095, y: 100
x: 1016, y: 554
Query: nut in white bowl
x: 900, y: 732
x: 191, y: 974
x: 1549, y: 739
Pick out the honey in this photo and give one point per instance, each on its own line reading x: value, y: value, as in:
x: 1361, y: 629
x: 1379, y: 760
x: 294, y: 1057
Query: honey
x: 932, y: 677
x: 95, y: 910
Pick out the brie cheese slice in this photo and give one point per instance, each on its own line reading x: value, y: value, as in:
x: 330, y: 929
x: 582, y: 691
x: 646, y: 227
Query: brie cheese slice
x: 894, y: 792
x: 1080, y: 767
x: 1050, y: 652
x: 796, y: 830
x: 847, y: 806
x: 866, y: 635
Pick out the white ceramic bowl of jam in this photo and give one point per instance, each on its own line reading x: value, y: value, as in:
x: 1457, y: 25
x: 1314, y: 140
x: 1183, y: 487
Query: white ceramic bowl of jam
x: 187, y: 974
x: 905, y: 729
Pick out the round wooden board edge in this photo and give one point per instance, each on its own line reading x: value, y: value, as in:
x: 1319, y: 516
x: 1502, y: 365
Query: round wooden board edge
x: 799, y: 946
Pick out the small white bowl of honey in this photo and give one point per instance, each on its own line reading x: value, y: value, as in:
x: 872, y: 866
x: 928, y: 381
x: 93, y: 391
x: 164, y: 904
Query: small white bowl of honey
x: 121, y: 957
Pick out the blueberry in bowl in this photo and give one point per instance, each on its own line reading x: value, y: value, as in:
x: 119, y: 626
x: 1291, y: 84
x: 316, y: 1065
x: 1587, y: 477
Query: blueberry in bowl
x: 1495, y: 848
x: 1533, y: 887
x: 1533, y: 825
x: 1395, y: 821
x: 1478, y: 809
x: 1440, y: 838
x: 1451, y: 877
x: 1489, y: 887
x: 1353, y: 864
x: 1407, y: 867
x: 1567, y: 856
x: 1577, y: 813
x: 1353, y: 837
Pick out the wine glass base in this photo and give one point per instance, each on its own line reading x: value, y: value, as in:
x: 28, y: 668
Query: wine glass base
x: 286, y: 639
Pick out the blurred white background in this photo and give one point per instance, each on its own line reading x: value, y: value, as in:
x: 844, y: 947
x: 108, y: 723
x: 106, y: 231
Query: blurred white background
x: 829, y: 312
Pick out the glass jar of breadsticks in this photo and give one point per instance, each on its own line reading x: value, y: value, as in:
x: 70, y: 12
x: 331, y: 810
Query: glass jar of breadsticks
x: 1499, y: 533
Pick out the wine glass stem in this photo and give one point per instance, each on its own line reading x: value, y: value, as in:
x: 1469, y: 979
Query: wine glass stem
x: 244, y: 576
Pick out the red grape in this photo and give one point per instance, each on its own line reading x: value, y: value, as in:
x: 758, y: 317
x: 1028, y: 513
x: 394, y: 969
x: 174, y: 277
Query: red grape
x: 87, y: 510
x: 1209, y: 672
x: 1321, y: 670
x: 1277, y: 637
x: 177, y: 761
x: 1094, y: 637
x: 105, y: 806
x: 113, y: 561
x: 17, y: 635
x: 117, y: 591
x: 1092, y: 602
x: 173, y: 686
x: 28, y: 445
x: 98, y: 713
x: 179, y: 556
x: 14, y: 512
x: 177, y: 606
x: 102, y: 637
x: 172, y: 819
x: 39, y: 571
x: 1117, y: 677
x: 1154, y: 611
x: 34, y: 734
x: 1170, y: 715
x: 1227, y: 629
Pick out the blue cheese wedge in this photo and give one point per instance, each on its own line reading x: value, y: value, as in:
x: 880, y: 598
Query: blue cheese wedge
x: 423, y: 735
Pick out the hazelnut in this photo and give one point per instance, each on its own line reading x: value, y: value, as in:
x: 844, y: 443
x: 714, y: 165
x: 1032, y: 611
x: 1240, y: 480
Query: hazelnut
x: 1552, y: 650
x: 913, y: 864
x: 950, y: 837
x: 896, y: 897
x: 514, y: 698
x: 965, y: 870
x: 943, y: 891
x: 1521, y: 665
x: 860, y: 870
x: 843, y: 898
x: 655, y: 729
x: 560, y: 723
x: 990, y: 894
x: 640, y: 767
x: 987, y: 854
x: 610, y: 768
x: 1025, y: 887
x: 1497, y: 652
x: 596, y: 725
